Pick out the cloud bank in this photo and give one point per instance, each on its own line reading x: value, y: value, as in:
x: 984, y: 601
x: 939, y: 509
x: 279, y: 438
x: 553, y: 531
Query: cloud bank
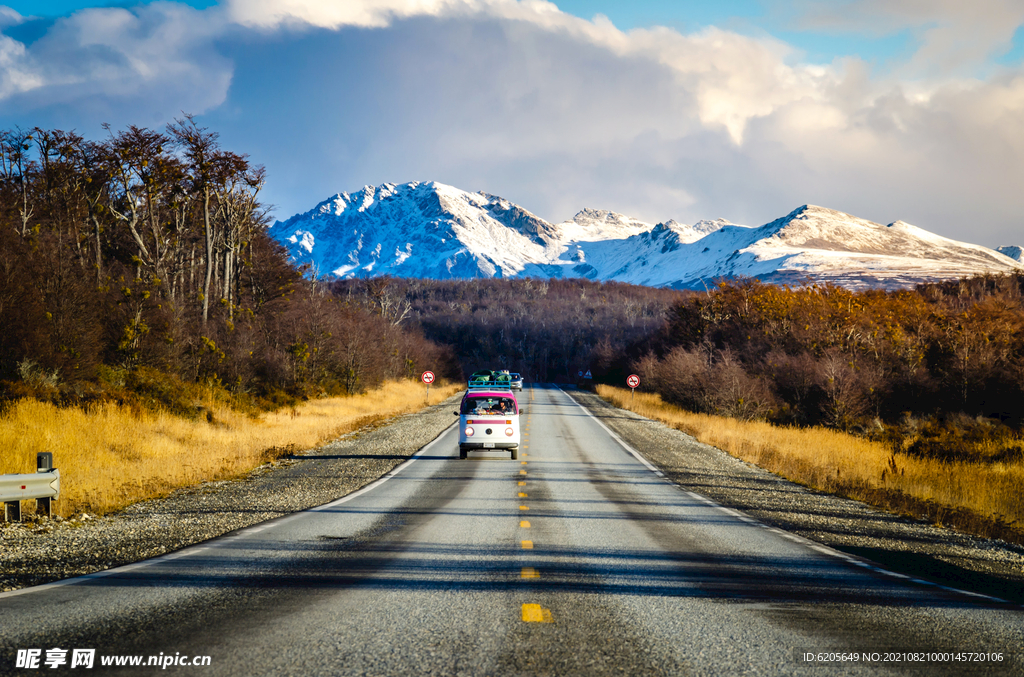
x: 552, y: 111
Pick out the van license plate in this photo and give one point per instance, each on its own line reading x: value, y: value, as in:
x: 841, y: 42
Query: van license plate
x: 488, y: 445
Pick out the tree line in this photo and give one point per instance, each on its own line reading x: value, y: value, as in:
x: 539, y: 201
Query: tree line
x: 147, y: 252
x: 813, y: 355
x: 547, y: 330
x: 941, y: 365
x: 822, y: 354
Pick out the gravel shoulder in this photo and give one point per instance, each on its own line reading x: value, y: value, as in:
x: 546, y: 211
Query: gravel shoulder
x: 32, y: 553
x: 901, y: 544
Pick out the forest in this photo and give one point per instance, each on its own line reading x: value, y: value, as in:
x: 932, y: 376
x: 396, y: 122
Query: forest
x: 137, y: 265
x: 812, y: 355
x: 827, y: 355
x: 548, y: 330
x: 936, y: 371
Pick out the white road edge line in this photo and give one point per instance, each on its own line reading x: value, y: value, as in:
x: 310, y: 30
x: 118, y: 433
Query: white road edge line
x: 823, y: 549
x: 216, y: 541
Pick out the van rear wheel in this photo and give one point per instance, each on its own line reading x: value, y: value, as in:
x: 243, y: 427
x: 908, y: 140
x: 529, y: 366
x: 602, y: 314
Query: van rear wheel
x: 462, y: 452
x: 515, y: 453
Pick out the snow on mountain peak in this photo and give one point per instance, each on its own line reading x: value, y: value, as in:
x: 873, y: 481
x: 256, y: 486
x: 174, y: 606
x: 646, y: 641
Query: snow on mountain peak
x: 600, y: 224
x: 698, y: 230
x: 438, y: 231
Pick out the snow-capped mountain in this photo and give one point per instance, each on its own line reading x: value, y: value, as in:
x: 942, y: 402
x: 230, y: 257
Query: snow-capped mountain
x: 1012, y: 251
x: 437, y: 231
x: 819, y: 244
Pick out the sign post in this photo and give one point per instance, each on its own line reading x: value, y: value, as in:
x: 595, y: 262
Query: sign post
x: 632, y: 381
x: 428, y: 378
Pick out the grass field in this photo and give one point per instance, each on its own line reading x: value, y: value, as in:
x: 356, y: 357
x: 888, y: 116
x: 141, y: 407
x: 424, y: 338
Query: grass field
x: 977, y: 497
x: 111, y: 456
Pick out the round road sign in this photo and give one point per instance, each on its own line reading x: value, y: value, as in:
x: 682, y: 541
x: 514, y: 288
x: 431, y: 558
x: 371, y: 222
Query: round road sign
x: 632, y: 380
x: 428, y: 377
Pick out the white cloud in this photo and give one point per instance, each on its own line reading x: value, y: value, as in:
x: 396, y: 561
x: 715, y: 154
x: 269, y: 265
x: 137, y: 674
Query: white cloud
x: 361, y: 13
x: 160, y: 57
x: 15, y: 73
x: 734, y: 77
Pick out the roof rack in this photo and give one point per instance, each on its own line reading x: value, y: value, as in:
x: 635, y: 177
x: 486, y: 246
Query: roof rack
x: 480, y: 383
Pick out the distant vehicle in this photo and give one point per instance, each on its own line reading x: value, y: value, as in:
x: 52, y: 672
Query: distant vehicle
x: 516, y: 382
x: 488, y: 419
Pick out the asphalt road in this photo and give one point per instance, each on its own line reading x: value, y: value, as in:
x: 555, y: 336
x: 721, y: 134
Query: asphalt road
x: 578, y: 559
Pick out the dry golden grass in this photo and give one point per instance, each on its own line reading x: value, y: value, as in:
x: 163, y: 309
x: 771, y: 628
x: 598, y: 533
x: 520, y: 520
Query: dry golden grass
x: 982, y: 498
x: 112, y: 456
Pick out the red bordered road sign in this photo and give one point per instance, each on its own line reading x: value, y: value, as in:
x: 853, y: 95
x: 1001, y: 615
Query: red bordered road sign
x: 632, y: 380
x: 428, y: 377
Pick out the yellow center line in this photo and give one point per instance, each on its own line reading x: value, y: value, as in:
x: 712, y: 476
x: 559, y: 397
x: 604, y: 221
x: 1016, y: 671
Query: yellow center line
x: 524, y: 507
x: 529, y: 572
x: 522, y: 462
x: 522, y: 494
x: 524, y: 524
x: 527, y: 545
x: 535, y: 613
x: 522, y: 484
x: 522, y: 472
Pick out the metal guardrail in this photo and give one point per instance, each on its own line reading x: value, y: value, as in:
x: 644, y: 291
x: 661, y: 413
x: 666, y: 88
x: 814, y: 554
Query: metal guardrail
x: 43, y: 486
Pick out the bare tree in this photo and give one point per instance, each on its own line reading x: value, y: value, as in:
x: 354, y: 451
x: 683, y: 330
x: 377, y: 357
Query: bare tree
x: 18, y: 166
x: 206, y: 167
x: 240, y: 213
x: 143, y: 175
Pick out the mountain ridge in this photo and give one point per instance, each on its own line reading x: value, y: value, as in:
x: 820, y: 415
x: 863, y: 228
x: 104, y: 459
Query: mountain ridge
x: 438, y: 231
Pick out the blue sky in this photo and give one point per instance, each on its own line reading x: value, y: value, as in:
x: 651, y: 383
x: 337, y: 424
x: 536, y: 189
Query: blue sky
x: 750, y: 17
x: 61, y: 7
x: 742, y: 109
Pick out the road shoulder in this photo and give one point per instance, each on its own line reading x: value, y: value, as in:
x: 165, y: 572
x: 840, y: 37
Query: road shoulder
x: 897, y: 543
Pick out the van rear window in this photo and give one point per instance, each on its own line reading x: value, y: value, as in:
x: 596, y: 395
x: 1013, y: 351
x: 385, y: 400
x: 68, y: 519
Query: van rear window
x: 483, y: 405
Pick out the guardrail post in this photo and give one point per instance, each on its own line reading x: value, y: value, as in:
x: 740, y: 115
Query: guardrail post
x: 44, y: 463
x: 43, y: 486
